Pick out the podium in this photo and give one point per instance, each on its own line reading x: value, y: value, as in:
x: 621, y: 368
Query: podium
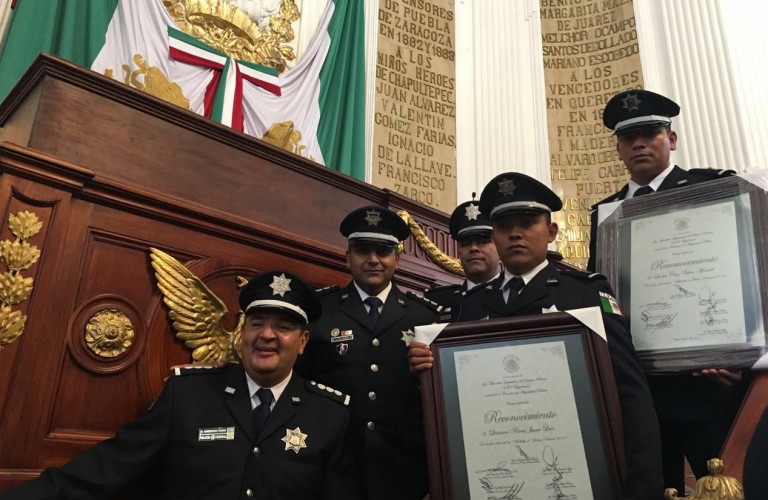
x: 110, y: 172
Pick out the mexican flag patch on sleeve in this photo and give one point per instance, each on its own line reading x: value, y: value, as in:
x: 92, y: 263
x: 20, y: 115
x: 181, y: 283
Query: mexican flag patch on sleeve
x: 609, y: 305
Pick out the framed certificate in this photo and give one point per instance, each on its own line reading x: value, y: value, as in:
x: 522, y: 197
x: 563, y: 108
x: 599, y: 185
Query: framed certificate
x: 522, y: 407
x: 688, y: 266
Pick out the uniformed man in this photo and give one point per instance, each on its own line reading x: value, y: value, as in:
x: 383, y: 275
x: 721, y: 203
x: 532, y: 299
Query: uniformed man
x: 696, y: 411
x: 520, y: 208
x: 239, y: 431
x: 359, y: 345
x: 472, y: 232
x: 642, y: 123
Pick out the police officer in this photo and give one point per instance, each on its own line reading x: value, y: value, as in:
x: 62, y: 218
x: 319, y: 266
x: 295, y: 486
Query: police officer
x: 520, y: 208
x: 695, y: 411
x: 477, y: 254
x: 642, y: 123
x: 359, y: 345
x: 239, y: 431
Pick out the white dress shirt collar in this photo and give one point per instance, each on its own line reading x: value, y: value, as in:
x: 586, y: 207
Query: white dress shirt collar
x: 277, y: 389
x: 654, y: 184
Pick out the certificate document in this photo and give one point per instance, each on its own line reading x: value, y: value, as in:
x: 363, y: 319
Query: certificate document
x: 520, y: 425
x: 686, y: 286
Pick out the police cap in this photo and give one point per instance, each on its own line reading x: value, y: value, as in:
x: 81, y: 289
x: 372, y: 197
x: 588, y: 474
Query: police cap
x: 633, y: 110
x: 376, y: 224
x: 513, y: 192
x: 467, y: 220
x: 281, y: 290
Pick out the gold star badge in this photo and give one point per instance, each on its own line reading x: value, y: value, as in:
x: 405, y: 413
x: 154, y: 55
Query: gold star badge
x: 372, y: 217
x: 472, y: 211
x: 407, y: 337
x: 280, y: 285
x: 631, y: 102
x: 507, y: 187
x: 294, y: 440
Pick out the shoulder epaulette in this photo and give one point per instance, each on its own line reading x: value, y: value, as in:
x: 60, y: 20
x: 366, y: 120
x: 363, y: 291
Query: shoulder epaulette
x: 440, y: 288
x: 425, y: 301
x: 585, y: 275
x: 325, y: 291
x: 328, y: 392
x: 197, y: 370
x: 711, y: 173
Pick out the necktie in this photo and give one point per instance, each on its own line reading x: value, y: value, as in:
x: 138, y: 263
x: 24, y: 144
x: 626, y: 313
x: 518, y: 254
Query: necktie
x: 643, y: 191
x: 373, y: 304
x: 514, y: 286
x: 261, y: 412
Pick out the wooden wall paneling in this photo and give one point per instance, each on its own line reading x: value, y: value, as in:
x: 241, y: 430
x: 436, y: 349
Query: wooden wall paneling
x: 33, y: 357
x: 116, y: 172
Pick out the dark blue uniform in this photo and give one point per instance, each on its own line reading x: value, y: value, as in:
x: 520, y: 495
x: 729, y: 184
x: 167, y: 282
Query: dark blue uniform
x: 573, y: 290
x: 371, y: 365
x: 199, y: 437
x: 695, y: 414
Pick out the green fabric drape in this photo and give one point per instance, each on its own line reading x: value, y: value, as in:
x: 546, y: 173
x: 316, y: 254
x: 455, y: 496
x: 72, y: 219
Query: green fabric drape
x: 72, y: 29
x: 341, y: 132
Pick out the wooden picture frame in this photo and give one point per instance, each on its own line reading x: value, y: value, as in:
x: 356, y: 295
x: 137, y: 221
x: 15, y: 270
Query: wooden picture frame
x: 511, y: 347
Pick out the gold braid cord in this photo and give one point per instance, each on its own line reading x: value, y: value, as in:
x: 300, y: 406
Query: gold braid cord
x: 716, y: 486
x: 436, y: 255
x: 17, y: 256
x: 195, y: 311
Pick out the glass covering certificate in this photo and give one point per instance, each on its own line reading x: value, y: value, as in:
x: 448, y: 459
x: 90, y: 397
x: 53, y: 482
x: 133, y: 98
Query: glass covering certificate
x: 520, y: 423
x: 686, y: 288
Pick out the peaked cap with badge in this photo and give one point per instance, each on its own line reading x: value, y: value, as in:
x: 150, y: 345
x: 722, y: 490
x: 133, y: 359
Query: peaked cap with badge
x: 468, y: 220
x: 281, y: 290
x: 634, y: 110
x: 513, y: 192
x: 374, y: 223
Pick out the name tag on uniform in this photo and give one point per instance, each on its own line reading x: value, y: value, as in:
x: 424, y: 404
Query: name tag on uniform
x: 338, y: 335
x: 216, y: 434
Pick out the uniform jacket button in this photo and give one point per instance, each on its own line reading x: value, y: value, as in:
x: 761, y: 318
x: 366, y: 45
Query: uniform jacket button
x: 371, y: 426
x: 374, y: 368
x: 371, y: 395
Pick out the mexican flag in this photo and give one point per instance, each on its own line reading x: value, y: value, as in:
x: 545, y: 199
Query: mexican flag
x: 319, y: 103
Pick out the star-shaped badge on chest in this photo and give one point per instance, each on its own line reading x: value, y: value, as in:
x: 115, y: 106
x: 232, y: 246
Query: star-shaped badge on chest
x: 372, y: 217
x: 507, y: 187
x: 280, y: 285
x: 294, y: 440
x: 408, y: 336
x: 631, y: 102
x: 472, y: 211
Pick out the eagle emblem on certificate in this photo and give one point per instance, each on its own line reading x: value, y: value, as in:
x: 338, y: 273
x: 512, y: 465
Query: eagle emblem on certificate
x: 294, y: 440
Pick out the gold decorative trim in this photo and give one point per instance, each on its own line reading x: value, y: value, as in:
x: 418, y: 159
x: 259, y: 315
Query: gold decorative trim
x: 196, y: 312
x: 229, y: 30
x: 446, y: 262
x: 17, y: 256
x: 109, y: 333
x: 153, y: 82
x: 285, y: 136
x: 716, y: 486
